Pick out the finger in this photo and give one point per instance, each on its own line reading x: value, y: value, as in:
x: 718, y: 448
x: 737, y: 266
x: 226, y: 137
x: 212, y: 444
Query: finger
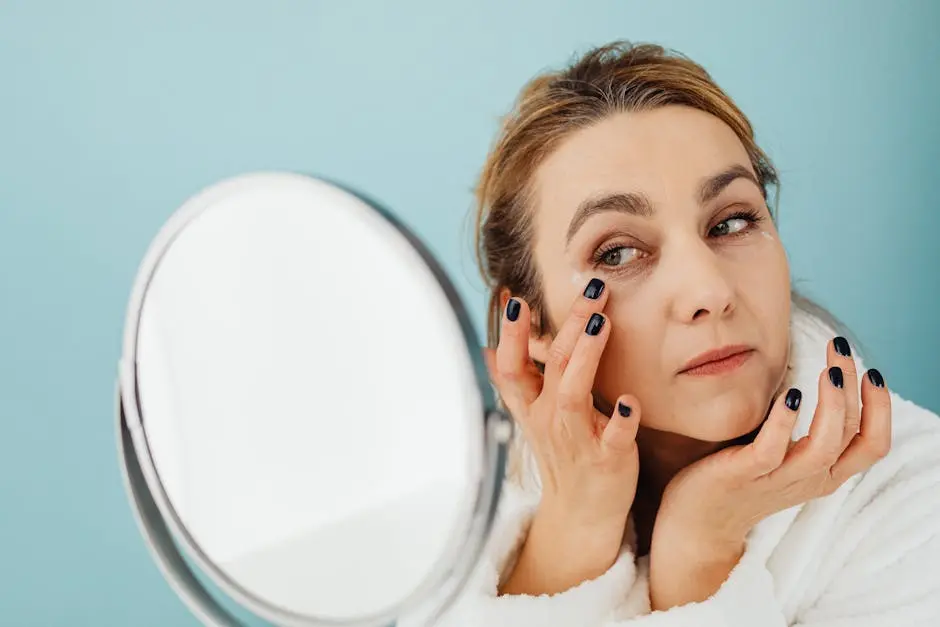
x: 517, y: 378
x: 822, y: 447
x: 769, y: 448
x: 577, y: 382
x: 590, y: 301
x: 874, y: 438
x: 839, y: 354
x: 619, y: 436
x: 574, y: 396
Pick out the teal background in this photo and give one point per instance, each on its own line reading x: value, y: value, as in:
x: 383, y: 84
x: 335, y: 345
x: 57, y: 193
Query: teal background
x: 113, y: 113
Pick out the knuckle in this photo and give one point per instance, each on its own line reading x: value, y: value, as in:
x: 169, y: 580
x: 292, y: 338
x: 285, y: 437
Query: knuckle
x: 618, y: 448
x: 604, y: 463
x: 849, y: 368
x: 569, y: 402
x: 580, y: 316
x: 511, y: 374
x: 582, y: 307
x: 836, y: 404
x: 767, y: 460
x: 558, y: 357
x: 512, y: 331
x: 824, y: 456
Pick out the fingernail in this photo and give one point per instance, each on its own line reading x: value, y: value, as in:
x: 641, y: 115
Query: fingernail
x: 876, y: 379
x: 595, y: 324
x: 794, y: 396
x: 842, y: 346
x: 624, y: 410
x: 512, y: 309
x: 594, y: 289
x: 835, y: 376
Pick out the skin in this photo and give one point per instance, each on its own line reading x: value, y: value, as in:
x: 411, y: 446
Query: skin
x: 676, y: 292
x: 701, y: 459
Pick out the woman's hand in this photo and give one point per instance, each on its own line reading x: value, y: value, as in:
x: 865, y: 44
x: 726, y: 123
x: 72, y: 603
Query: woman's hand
x: 587, y: 462
x: 709, y: 507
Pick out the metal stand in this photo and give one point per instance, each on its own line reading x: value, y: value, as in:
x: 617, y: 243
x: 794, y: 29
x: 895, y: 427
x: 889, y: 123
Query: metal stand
x: 164, y: 551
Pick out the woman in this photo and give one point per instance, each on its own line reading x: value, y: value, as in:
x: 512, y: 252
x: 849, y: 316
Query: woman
x: 697, y: 444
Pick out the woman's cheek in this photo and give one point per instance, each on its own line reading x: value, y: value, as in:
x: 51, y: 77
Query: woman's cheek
x: 762, y: 259
x: 626, y: 358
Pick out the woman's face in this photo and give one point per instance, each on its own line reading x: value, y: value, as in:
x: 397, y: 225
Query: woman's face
x: 665, y: 208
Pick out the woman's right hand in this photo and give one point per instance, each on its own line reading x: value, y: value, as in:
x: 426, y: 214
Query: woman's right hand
x: 587, y: 462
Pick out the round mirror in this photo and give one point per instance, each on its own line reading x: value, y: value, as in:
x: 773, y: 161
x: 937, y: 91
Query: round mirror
x: 308, y: 405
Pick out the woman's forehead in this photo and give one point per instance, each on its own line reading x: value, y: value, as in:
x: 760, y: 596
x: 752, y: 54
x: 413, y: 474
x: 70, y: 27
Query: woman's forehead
x: 661, y: 153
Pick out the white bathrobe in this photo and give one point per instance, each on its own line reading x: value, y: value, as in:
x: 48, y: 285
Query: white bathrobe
x: 866, y: 556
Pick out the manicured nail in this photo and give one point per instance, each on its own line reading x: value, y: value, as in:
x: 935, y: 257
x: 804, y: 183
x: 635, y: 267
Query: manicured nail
x: 876, y: 379
x: 835, y: 376
x: 594, y: 289
x: 624, y: 409
x: 513, y: 307
x: 595, y: 324
x: 794, y: 396
x: 842, y: 346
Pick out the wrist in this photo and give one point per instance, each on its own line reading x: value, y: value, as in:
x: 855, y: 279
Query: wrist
x: 709, y: 542
x: 699, y: 546
x: 561, y: 551
x: 689, y: 566
x: 569, y: 528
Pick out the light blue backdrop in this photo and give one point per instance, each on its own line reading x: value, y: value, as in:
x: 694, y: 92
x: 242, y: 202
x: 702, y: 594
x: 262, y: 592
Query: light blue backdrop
x: 112, y: 113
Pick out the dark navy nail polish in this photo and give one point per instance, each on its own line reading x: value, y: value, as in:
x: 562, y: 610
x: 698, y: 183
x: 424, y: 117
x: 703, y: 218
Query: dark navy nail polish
x: 876, y: 379
x: 835, y: 376
x: 513, y: 307
x: 595, y: 324
x: 624, y: 410
x: 594, y: 289
x: 842, y: 346
x: 794, y: 396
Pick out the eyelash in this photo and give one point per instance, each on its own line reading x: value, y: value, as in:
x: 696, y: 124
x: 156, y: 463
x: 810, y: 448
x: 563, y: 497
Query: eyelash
x: 751, y: 216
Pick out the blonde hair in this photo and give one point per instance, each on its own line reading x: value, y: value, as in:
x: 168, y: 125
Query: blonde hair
x: 618, y: 77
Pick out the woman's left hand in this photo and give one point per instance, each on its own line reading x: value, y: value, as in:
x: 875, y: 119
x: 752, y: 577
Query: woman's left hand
x: 710, y: 506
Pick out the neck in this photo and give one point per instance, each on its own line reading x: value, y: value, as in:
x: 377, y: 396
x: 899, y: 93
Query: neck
x: 662, y: 456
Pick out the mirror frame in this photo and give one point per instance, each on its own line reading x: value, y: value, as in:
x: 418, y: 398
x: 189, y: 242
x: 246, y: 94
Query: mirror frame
x: 157, y: 520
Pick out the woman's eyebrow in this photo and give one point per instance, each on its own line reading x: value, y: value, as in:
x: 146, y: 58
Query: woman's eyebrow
x: 637, y: 204
x: 713, y: 185
x: 632, y: 203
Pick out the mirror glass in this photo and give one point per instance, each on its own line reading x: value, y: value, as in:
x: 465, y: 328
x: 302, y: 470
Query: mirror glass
x: 308, y: 399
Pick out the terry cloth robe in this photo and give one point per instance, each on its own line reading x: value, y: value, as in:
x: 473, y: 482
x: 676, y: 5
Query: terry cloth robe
x: 866, y: 556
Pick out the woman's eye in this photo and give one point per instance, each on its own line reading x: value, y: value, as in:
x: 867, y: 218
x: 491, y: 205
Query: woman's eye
x: 730, y: 226
x: 618, y: 256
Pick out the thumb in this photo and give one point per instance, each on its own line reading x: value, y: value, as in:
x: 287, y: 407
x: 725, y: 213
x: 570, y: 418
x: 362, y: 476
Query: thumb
x: 620, y: 433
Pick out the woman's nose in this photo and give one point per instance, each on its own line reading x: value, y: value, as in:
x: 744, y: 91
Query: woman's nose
x: 700, y: 284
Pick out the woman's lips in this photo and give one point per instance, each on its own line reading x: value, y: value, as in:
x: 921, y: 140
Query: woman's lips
x: 721, y: 366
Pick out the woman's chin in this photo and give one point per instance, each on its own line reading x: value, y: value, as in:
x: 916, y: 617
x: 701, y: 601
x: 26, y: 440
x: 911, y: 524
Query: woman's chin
x: 725, y: 418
